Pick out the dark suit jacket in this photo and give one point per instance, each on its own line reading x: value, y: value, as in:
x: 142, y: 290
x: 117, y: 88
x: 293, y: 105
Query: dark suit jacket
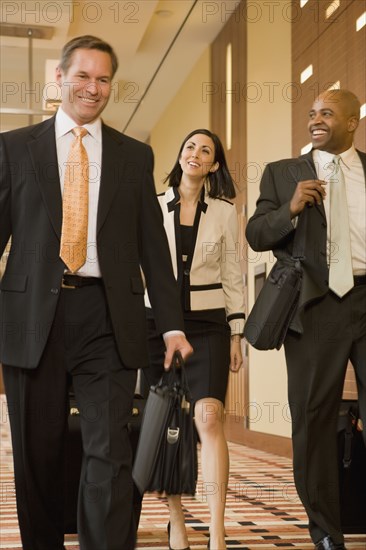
x: 130, y: 234
x: 270, y: 227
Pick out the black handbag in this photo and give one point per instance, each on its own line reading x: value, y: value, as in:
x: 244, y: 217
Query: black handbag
x: 275, y: 306
x: 166, y: 455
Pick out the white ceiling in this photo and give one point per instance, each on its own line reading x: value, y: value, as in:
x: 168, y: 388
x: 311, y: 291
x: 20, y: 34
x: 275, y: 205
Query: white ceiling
x: 157, y: 42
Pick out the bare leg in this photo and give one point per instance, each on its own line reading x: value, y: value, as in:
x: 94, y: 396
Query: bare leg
x: 209, y: 417
x: 178, y: 533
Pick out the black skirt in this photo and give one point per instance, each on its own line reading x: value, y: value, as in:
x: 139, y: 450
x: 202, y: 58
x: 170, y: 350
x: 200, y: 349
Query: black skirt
x: 207, y: 368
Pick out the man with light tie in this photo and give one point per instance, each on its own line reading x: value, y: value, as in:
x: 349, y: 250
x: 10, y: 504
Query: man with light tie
x: 327, y: 187
x: 77, y: 199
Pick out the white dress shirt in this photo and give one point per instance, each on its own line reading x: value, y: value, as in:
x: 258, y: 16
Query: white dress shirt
x: 93, y: 145
x: 354, y: 177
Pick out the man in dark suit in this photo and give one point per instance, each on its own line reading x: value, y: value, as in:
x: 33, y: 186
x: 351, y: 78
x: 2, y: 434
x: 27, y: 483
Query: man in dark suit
x: 86, y: 321
x: 330, y: 324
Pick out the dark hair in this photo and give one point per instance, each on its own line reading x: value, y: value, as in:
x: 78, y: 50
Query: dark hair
x: 220, y: 183
x: 86, y: 42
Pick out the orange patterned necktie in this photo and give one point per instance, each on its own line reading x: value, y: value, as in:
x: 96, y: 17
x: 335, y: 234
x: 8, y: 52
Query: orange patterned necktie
x: 75, y: 204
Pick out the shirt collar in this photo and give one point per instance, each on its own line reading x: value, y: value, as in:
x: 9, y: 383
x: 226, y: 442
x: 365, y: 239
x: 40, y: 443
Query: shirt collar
x: 349, y: 156
x: 64, y: 124
x: 173, y: 197
x: 324, y: 158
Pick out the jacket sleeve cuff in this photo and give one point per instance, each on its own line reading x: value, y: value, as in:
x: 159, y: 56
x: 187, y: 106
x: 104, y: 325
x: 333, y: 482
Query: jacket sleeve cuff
x: 236, y: 323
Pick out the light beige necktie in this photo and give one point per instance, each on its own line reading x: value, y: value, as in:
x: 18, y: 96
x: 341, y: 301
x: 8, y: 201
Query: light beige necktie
x: 340, y: 268
x: 75, y: 204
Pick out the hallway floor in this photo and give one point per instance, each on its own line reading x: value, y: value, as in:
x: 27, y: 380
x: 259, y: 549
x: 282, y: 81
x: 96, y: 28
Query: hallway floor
x: 263, y: 511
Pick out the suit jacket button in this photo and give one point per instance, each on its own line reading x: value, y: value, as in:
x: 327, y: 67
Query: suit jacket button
x: 54, y: 290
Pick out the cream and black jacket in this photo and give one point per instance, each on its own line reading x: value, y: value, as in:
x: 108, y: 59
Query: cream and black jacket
x: 213, y: 270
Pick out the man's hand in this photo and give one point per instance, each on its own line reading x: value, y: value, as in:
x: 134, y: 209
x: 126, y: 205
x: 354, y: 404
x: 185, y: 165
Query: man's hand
x: 173, y: 343
x: 308, y: 193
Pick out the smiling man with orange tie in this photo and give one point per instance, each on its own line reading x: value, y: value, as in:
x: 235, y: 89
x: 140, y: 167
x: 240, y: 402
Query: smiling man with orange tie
x: 77, y: 200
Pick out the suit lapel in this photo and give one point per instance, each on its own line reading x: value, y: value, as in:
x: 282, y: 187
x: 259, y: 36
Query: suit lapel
x: 363, y: 160
x: 170, y: 207
x: 314, y: 218
x: 308, y: 172
x: 111, y: 172
x: 42, y: 150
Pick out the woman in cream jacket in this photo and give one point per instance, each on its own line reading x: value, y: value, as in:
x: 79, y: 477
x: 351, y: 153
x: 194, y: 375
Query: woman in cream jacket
x: 202, y: 231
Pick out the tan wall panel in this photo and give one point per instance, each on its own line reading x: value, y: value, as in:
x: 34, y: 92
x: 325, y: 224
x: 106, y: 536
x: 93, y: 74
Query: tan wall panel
x: 234, y: 33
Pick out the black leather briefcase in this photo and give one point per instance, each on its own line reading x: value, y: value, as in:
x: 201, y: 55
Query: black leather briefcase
x: 352, y: 470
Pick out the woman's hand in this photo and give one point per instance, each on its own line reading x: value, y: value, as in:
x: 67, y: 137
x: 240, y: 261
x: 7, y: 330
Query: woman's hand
x: 236, y: 357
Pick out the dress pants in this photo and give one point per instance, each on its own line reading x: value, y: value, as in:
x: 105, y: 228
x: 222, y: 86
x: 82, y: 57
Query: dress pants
x: 81, y: 344
x: 334, y: 332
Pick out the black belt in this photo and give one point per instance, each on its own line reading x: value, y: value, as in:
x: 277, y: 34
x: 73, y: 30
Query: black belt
x: 76, y: 281
x: 359, y: 280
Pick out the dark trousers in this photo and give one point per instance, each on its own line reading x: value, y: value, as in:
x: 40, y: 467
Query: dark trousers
x: 334, y: 332
x: 81, y: 344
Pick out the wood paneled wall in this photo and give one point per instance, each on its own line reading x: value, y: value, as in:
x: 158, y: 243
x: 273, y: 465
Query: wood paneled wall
x: 336, y: 50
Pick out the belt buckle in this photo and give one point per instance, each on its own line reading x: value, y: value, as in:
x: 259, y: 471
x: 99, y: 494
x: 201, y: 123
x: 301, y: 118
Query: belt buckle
x: 69, y: 287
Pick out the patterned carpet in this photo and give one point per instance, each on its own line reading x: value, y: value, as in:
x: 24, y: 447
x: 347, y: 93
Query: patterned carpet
x: 263, y: 511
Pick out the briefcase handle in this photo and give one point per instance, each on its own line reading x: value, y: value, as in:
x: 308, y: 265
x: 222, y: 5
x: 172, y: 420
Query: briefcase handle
x: 176, y: 377
x: 177, y: 371
x: 177, y: 361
